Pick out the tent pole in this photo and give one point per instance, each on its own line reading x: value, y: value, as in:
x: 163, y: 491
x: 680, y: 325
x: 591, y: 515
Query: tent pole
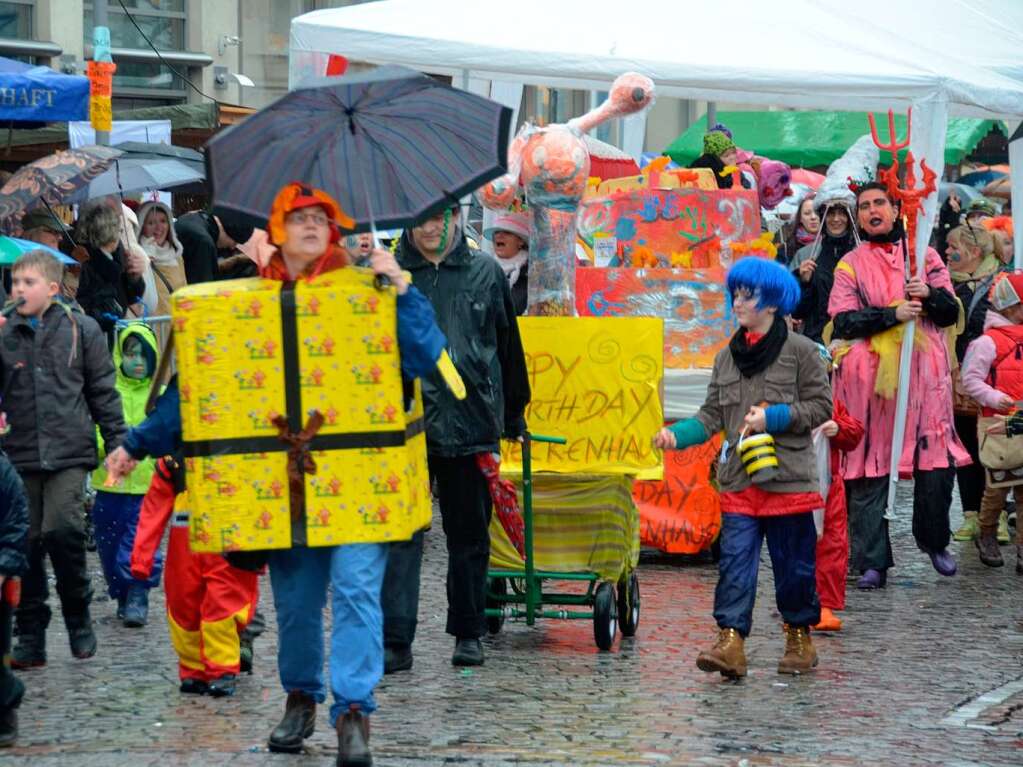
x: 1016, y: 176
x: 712, y: 113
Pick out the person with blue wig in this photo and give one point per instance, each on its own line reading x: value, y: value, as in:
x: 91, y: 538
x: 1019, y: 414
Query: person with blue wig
x: 767, y: 393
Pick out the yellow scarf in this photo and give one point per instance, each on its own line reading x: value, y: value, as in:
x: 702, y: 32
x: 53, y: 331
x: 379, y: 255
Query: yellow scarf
x: 887, y: 345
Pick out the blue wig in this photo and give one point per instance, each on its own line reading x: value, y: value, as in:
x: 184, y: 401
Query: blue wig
x: 771, y: 282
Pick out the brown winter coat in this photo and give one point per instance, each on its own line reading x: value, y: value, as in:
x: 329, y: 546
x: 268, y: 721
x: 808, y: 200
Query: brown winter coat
x: 797, y: 378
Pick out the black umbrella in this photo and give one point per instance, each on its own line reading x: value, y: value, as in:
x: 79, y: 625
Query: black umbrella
x: 390, y: 145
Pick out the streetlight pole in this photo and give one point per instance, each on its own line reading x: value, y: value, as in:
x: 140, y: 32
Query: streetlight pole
x: 101, y: 53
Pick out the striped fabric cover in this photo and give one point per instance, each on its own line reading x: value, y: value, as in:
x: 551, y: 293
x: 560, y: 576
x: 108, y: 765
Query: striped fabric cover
x: 582, y: 523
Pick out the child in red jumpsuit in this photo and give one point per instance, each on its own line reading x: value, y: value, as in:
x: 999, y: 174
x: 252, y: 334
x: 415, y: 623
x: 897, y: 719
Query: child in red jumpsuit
x: 209, y: 602
x: 845, y: 433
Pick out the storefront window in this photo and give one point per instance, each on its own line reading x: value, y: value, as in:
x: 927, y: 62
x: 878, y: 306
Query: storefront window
x: 16, y: 20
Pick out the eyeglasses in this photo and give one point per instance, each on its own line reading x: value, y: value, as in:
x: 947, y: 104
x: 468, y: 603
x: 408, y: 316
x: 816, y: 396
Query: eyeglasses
x: 303, y: 217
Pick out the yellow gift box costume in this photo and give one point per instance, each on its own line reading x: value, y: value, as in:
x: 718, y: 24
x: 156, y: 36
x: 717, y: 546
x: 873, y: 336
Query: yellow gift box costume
x: 297, y: 387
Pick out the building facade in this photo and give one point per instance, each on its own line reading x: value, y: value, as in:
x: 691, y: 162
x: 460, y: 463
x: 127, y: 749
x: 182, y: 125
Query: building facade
x: 202, y: 43
x: 205, y: 44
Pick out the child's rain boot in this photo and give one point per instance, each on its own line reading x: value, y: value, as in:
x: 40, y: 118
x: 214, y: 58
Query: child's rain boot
x: 829, y: 621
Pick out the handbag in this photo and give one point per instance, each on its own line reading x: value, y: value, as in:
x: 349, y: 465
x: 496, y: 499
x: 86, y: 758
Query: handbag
x: 962, y: 403
x: 1000, y: 454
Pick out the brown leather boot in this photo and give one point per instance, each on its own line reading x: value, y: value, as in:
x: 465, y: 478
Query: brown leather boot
x: 726, y: 656
x: 800, y: 655
x: 353, y: 739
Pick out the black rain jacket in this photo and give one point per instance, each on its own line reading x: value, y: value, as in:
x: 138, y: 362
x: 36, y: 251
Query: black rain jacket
x: 473, y: 302
x: 13, y: 521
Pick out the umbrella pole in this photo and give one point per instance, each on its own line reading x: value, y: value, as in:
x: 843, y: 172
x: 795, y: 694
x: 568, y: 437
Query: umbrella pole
x: 380, y: 281
x: 120, y: 197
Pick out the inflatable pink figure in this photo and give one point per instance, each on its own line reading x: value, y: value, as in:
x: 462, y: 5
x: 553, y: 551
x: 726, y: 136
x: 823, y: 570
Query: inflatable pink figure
x: 773, y: 177
x: 551, y: 166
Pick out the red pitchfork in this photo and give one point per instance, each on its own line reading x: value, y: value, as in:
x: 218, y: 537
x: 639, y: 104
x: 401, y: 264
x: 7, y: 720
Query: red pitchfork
x: 909, y: 197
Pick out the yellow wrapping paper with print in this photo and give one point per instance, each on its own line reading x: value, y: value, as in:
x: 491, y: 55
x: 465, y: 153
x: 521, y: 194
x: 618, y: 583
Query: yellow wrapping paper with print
x: 251, y: 350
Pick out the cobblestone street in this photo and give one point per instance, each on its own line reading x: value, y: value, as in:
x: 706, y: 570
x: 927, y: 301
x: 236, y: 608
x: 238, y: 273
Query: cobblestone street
x: 898, y: 686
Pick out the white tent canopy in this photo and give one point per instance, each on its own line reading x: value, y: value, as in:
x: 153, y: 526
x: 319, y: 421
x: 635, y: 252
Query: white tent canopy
x: 941, y: 57
x: 819, y: 54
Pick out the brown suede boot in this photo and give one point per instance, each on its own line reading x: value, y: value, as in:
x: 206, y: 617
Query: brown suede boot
x: 800, y: 655
x: 987, y: 547
x: 726, y: 656
x: 353, y: 739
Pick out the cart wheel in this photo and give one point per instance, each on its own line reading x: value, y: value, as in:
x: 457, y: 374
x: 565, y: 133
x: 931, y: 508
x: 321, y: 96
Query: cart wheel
x: 605, y: 616
x: 496, y: 586
x: 628, y: 604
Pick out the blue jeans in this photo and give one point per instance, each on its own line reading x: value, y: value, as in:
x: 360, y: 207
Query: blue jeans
x: 792, y: 543
x: 115, y: 517
x: 299, y: 579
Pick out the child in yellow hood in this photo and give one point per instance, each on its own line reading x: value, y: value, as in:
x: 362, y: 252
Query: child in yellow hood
x: 116, y: 512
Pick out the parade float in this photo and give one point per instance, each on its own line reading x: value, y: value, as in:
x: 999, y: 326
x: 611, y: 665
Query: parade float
x: 600, y: 341
x: 662, y: 243
x: 595, y: 385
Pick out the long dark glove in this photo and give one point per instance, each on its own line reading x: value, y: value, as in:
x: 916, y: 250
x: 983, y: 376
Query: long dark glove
x: 864, y: 323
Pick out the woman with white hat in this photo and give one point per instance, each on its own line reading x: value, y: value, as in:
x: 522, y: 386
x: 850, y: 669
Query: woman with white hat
x: 510, y: 235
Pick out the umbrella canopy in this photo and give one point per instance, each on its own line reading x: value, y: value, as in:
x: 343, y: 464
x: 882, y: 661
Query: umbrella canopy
x: 1000, y: 187
x: 966, y: 194
x: 39, y: 94
x: 810, y: 139
x: 52, y: 179
x: 980, y: 178
x: 391, y: 146
x: 146, y: 167
x: 12, y: 247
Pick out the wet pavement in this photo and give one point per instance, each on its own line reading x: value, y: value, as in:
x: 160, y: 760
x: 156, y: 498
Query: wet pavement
x: 926, y: 672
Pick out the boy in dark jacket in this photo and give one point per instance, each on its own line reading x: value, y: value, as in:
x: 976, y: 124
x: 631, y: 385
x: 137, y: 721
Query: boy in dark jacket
x: 57, y: 379
x: 473, y: 302
x: 13, y: 534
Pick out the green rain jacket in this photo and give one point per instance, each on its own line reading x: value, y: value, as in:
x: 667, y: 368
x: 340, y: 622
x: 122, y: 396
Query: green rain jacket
x: 134, y: 393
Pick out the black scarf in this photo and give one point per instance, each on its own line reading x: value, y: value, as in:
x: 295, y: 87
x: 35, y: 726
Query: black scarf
x: 754, y: 359
x: 897, y: 234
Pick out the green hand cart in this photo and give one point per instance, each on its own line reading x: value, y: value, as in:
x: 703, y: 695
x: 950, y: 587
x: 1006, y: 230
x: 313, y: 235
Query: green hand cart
x: 592, y: 526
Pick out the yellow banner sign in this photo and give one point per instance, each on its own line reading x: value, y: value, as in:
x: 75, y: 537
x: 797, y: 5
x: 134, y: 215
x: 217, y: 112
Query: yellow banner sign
x: 596, y: 381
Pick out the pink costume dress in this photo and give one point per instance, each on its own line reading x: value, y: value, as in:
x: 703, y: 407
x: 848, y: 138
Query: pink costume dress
x: 874, y: 274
